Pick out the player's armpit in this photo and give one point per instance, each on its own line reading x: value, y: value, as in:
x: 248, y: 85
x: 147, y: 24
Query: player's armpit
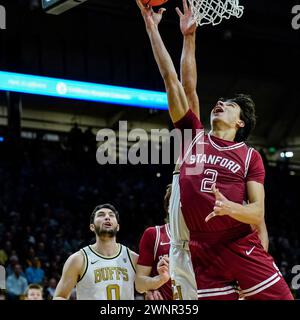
x: 134, y: 258
x: 72, y: 271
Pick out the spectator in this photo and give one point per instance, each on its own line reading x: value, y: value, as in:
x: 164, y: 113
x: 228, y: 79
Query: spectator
x: 30, y: 256
x: 41, y: 252
x: 34, y: 292
x: 35, y: 274
x: 51, y: 288
x: 16, y: 284
x: 13, y: 261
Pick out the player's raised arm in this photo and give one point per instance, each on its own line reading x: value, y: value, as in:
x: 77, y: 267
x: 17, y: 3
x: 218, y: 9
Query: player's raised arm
x: 177, y: 101
x: 188, y: 65
x: 72, y: 271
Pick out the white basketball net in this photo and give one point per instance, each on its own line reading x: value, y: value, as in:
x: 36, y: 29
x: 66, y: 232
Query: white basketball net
x: 214, y: 11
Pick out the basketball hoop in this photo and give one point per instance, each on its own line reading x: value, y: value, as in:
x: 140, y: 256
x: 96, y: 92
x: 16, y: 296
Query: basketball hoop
x: 214, y: 11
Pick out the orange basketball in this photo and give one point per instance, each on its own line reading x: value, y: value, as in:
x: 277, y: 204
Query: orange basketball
x: 154, y: 3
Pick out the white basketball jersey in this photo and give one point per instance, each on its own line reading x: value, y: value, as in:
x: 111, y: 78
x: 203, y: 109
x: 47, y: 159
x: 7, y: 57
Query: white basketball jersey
x: 180, y: 266
x: 178, y: 228
x: 106, y: 278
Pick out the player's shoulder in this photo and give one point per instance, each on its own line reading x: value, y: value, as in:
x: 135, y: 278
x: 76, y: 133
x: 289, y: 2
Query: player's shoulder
x: 151, y: 230
x: 75, y: 262
x: 163, y: 228
x: 253, y: 153
x: 77, y: 257
x: 132, y: 255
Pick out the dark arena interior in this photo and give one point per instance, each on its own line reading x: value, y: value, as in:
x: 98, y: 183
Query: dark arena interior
x: 50, y: 177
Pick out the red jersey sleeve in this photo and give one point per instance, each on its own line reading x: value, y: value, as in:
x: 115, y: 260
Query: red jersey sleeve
x: 146, y: 247
x: 256, y: 171
x: 189, y: 126
x: 189, y: 121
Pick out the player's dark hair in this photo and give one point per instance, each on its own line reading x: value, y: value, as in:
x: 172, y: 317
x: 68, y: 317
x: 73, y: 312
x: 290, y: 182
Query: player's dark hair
x: 167, y: 201
x: 104, y: 206
x: 247, y: 106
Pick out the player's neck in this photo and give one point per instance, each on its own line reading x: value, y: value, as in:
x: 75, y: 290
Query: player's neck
x: 106, y: 246
x: 228, y: 134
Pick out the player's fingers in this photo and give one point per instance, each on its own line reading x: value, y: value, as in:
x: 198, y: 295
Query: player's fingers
x: 164, y: 269
x: 218, y: 194
x: 185, y: 6
x: 157, y: 295
x: 162, y: 263
x: 219, y: 203
x: 149, y: 295
x: 210, y: 216
x: 166, y: 259
x: 140, y: 5
x: 179, y: 12
x: 214, y: 189
x: 217, y: 210
x: 162, y: 10
x: 221, y: 195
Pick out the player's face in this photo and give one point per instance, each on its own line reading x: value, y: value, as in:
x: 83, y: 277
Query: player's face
x: 227, y: 112
x: 34, y: 294
x: 105, y: 223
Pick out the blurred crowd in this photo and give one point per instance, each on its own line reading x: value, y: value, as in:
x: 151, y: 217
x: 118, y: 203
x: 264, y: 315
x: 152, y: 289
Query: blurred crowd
x: 49, y: 189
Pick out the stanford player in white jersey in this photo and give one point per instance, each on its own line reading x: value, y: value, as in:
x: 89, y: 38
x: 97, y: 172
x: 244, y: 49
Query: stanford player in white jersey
x: 227, y: 186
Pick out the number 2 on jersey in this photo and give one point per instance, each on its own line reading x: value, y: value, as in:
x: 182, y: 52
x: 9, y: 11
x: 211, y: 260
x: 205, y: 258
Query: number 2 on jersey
x: 210, y: 179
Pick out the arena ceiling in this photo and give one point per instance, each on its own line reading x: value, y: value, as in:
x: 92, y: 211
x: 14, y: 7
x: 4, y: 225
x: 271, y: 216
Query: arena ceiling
x: 104, y: 41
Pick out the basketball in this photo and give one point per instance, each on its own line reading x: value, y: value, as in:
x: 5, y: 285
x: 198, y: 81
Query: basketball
x: 154, y: 3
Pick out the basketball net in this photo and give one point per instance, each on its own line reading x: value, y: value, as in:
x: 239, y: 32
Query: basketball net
x: 214, y: 11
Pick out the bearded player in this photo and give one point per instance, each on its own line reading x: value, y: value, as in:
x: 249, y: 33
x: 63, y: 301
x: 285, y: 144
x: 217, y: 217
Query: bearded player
x: 104, y: 270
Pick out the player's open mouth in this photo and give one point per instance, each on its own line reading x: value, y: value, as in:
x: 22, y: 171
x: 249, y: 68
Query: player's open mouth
x: 107, y: 224
x: 218, y: 109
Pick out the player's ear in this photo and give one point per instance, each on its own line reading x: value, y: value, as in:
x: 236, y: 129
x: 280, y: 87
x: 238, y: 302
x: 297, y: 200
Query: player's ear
x: 92, y: 227
x: 118, y: 227
x: 241, y: 123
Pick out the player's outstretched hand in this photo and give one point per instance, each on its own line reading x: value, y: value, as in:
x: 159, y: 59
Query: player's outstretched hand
x: 187, y: 23
x: 222, y: 205
x: 151, y: 18
x: 163, y: 269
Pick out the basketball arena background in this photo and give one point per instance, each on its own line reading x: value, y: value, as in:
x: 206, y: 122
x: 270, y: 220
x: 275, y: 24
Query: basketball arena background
x: 50, y: 180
